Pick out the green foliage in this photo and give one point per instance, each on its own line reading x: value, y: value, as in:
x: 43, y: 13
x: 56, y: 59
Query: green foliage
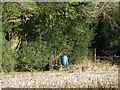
x: 65, y: 30
x: 0, y: 61
x: 107, y: 39
x: 50, y: 30
x: 83, y: 68
x: 9, y: 57
x: 0, y: 38
x: 32, y: 56
x: 71, y: 71
x: 10, y: 12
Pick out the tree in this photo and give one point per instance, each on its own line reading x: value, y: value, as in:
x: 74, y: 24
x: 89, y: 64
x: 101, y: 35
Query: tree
x: 46, y: 32
x: 107, y: 38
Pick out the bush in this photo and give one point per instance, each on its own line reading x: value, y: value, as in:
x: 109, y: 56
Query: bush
x: 61, y: 29
x: 0, y: 53
x: 9, y: 57
x: 32, y: 56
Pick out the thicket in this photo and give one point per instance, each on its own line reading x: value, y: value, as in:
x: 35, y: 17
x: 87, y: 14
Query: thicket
x: 9, y: 56
x: 107, y: 38
x: 37, y: 34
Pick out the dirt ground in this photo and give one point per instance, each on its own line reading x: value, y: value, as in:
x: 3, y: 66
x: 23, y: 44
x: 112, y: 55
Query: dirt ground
x: 78, y: 76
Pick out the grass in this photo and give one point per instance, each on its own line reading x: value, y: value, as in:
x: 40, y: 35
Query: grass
x: 35, y: 71
x: 88, y: 64
x: 80, y: 66
x: 13, y: 73
x: 65, y: 69
x: 71, y: 71
x: 96, y: 63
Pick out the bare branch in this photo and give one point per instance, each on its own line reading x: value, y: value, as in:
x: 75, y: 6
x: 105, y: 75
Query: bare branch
x: 18, y: 20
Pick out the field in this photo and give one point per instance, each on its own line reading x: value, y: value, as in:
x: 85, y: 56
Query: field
x: 84, y: 75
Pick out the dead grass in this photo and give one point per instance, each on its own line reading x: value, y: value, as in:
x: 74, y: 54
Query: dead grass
x: 86, y: 74
x: 89, y: 65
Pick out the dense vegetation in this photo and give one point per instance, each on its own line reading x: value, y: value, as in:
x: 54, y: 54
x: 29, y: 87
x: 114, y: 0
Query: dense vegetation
x: 37, y: 34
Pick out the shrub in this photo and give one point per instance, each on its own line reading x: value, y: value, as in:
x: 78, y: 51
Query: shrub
x: 9, y: 56
x: 32, y: 56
